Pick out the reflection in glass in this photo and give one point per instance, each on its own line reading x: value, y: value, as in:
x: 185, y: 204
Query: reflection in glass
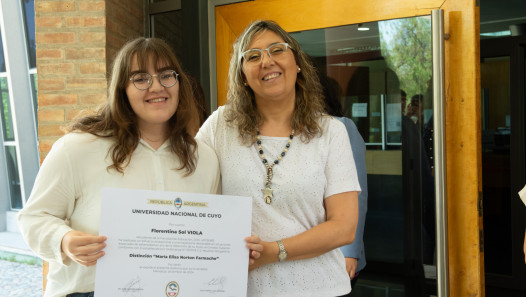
x: 383, y: 78
x: 34, y: 84
x: 29, y: 19
x: 406, y: 48
x: 5, y: 110
x: 13, y: 177
x: 2, y: 57
x: 168, y: 27
x: 496, y: 164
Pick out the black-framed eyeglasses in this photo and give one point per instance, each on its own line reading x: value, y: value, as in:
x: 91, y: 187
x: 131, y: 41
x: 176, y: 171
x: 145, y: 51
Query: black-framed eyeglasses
x: 143, y: 81
x: 255, y: 55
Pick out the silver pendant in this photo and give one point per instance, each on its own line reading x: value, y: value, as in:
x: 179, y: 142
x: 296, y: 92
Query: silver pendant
x: 267, y: 194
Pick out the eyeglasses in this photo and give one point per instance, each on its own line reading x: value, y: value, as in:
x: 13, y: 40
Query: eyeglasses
x: 255, y: 55
x: 143, y: 81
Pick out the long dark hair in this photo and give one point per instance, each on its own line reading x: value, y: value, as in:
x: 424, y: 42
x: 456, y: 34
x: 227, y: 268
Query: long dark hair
x: 116, y: 118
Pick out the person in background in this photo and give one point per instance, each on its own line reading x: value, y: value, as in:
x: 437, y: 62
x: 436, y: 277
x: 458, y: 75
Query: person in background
x: 354, y: 253
x: 415, y: 110
x: 403, y: 101
x: 142, y: 138
x: 276, y: 146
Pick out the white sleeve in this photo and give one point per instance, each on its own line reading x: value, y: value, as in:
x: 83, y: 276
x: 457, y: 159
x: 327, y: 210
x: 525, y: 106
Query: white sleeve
x: 340, y: 169
x: 42, y: 221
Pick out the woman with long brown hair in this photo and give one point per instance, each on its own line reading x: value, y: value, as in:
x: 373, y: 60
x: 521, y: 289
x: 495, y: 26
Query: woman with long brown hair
x: 276, y: 145
x: 142, y: 138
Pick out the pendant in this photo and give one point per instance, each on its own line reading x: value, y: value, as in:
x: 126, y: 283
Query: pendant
x: 267, y: 194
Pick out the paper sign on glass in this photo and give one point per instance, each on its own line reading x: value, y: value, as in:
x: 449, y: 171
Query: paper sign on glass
x: 173, y: 244
x: 359, y: 110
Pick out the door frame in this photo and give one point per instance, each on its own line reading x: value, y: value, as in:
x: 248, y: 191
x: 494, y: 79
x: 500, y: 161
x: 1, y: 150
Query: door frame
x: 461, y: 107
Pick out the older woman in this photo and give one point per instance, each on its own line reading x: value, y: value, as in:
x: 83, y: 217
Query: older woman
x: 275, y: 145
x: 142, y: 138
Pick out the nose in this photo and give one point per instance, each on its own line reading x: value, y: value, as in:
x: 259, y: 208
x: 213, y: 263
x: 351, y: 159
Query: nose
x: 156, y: 84
x: 266, y: 58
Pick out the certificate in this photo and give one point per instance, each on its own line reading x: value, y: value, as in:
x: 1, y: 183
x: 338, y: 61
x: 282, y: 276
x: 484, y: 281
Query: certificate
x: 173, y: 244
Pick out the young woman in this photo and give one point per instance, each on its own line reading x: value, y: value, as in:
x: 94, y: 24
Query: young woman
x: 142, y: 138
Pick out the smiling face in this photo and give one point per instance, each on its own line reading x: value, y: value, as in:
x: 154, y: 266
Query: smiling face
x: 273, y: 79
x: 156, y: 105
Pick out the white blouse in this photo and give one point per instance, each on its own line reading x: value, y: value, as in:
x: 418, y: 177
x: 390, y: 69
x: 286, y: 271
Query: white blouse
x: 66, y: 196
x: 307, y: 174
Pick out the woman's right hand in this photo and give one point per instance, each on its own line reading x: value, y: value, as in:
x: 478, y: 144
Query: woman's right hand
x: 83, y: 247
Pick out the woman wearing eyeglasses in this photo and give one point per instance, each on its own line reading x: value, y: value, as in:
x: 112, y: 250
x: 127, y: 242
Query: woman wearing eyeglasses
x: 142, y: 138
x: 275, y: 145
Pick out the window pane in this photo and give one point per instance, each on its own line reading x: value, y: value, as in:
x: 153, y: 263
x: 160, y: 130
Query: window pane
x: 29, y: 16
x: 2, y: 58
x: 14, y: 177
x: 379, y: 75
x: 5, y: 109
x: 168, y: 27
x: 34, y: 82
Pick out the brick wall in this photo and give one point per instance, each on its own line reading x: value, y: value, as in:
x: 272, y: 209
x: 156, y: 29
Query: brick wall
x: 76, y: 41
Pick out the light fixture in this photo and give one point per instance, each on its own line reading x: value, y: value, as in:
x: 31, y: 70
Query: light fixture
x: 361, y: 27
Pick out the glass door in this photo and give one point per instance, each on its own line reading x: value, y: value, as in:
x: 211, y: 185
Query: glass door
x: 381, y: 75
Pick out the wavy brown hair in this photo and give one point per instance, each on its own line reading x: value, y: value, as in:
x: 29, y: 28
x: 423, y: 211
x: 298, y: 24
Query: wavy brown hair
x: 241, y: 108
x: 117, y: 120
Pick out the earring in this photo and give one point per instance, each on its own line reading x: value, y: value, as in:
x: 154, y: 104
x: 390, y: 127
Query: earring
x: 245, y: 83
x: 299, y: 69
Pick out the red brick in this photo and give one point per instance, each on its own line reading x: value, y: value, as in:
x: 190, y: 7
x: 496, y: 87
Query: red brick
x: 73, y: 114
x: 85, y: 53
x: 92, y: 68
x: 51, y: 115
x: 99, y: 21
x: 56, y: 68
x: 55, y: 38
x: 93, y: 99
x: 86, y: 83
x: 50, y: 53
x: 95, y: 21
x: 49, y: 22
x: 57, y: 99
x: 92, y: 6
x: 50, y: 130
x: 92, y: 37
x: 51, y: 84
x: 54, y: 6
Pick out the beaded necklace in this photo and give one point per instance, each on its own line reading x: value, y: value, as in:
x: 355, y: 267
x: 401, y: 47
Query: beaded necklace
x: 267, y: 191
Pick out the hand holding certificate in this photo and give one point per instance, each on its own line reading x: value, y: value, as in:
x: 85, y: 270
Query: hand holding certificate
x: 166, y: 244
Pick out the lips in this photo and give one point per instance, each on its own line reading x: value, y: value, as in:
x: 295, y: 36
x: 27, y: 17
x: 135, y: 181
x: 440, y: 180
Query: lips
x: 271, y: 76
x: 156, y: 100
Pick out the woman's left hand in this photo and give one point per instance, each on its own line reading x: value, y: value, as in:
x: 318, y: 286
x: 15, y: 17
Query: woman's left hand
x: 254, y: 244
x: 351, y: 264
